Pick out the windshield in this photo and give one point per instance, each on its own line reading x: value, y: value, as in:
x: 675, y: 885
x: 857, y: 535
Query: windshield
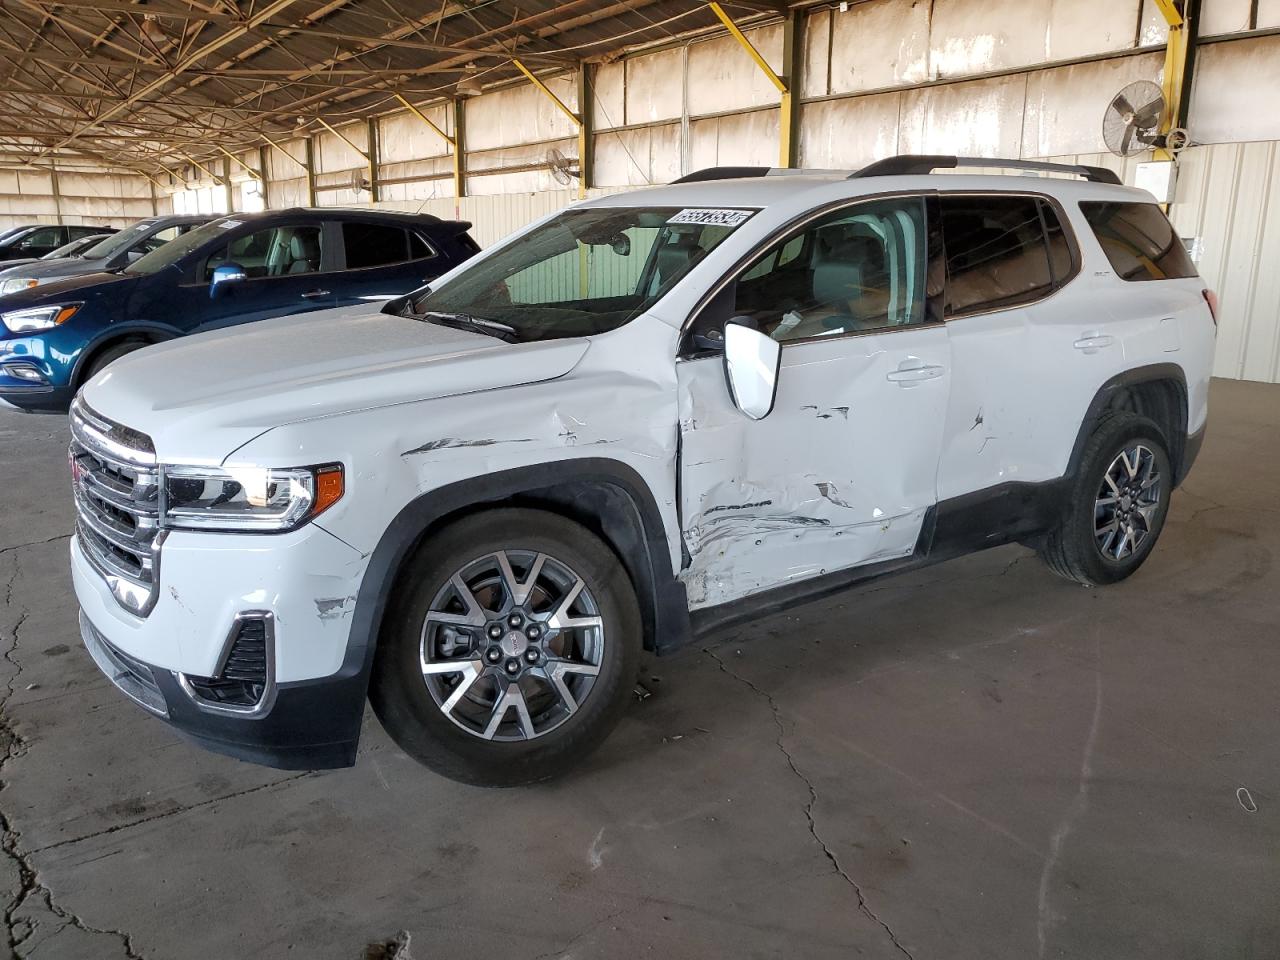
x: 123, y: 240
x: 584, y: 272
x: 69, y: 249
x: 176, y: 249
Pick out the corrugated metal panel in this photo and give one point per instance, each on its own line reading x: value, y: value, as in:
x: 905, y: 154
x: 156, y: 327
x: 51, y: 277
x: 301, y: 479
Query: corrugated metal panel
x: 333, y: 154
x: 817, y: 54
x: 402, y: 136
x: 745, y: 138
x: 654, y: 87
x: 282, y: 166
x: 520, y: 114
x: 977, y: 118
x: 723, y: 77
x: 975, y: 36
x: 638, y: 157
x: 1152, y: 28
x: 879, y: 44
x: 1233, y: 88
x: 1229, y: 197
x: 608, y: 102
x: 1065, y: 105
x: 1223, y: 16
x: 829, y: 137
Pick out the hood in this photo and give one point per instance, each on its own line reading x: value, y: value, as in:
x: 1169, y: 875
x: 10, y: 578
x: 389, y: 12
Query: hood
x: 7, y: 265
x: 47, y: 270
x: 201, y: 397
x: 57, y: 290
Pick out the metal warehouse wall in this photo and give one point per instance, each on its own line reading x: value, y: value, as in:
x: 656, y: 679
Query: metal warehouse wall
x: 1013, y: 78
x: 97, y: 198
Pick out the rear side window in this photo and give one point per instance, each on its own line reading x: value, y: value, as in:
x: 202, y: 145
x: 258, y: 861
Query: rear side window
x: 419, y: 249
x: 1002, y: 251
x: 374, y: 245
x: 1138, y: 240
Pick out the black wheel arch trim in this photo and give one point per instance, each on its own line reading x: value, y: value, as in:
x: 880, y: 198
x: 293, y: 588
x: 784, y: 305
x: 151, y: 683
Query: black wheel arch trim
x: 117, y: 333
x: 663, y: 604
x: 1102, y: 398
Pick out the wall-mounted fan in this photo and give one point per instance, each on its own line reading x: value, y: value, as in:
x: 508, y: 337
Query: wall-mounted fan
x: 1131, y: 123
x: 359, y: 181
x: 564, y: 170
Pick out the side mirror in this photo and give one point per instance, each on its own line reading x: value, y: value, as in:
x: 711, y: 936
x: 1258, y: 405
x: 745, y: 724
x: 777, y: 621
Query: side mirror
x: 223, y: 274
x: 751, y: 362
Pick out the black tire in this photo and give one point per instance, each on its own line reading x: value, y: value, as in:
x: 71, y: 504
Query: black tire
x: 417, y: 722
x: 1072, y: 550
x: 109, y: 355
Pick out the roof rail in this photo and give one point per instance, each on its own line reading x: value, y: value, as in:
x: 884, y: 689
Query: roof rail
x: 722, y: 173
x: 918, y: 164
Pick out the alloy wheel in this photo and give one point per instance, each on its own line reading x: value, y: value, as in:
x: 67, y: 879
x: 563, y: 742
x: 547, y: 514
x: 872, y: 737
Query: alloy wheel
x: 1127, y: 502
x: 512, y: 645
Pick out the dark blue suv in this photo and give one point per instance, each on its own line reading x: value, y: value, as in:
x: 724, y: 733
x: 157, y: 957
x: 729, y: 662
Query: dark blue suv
x: 233, y: 270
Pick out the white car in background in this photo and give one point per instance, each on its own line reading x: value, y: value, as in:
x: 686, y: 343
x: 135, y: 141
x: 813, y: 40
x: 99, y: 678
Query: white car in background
x: 644, y: 417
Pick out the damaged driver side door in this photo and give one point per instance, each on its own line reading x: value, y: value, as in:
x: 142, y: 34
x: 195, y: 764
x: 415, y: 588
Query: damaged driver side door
x: 843, y: 470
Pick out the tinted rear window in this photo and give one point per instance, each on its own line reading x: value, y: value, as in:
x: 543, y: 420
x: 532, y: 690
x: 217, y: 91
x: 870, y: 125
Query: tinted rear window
x: 998, y: 255
x: 1138, y: 240
x: 374, y: 245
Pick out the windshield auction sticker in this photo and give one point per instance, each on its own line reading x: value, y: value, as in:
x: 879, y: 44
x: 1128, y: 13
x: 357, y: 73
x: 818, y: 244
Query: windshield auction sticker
x: 712, y: 218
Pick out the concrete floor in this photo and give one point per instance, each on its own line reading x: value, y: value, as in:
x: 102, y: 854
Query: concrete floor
x: 976, y: 760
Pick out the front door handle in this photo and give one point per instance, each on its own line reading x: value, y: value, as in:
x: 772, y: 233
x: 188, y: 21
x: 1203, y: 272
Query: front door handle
x: 315, y: 294
x: 910, y: 372
x: 1093, y: 341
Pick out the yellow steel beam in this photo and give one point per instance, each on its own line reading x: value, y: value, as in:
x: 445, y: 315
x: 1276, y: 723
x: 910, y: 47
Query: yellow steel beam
x: 748, y: 46
x: 547, y: 92
x: 425, y: 119
x: 1172, y: 15
x: 231, y: 156
x: 1175, y: 68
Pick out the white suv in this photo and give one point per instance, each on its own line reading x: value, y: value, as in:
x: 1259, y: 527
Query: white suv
x: 641, y: 418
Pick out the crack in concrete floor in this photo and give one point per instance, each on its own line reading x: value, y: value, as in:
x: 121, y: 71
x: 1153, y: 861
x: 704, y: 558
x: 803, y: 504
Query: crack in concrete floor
x: 19, y: 930
x: 836, y: 866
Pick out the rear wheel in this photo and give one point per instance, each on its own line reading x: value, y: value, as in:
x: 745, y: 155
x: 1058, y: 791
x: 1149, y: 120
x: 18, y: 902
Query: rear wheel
x: 508, y: 649
x: 1117, y: 505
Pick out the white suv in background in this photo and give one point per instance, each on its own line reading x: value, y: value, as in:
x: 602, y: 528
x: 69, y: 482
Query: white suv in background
x: 646, y: 416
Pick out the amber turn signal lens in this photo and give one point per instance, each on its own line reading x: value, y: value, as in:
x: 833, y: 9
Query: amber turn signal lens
x: 66, y: 313
x: 329, y: 488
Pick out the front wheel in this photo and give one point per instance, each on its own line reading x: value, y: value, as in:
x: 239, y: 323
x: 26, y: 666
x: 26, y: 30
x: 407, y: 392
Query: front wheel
x: 508, y: 649
x: 110, y: 355
x: 1117, y: 504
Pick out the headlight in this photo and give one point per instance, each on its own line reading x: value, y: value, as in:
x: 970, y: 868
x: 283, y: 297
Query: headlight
x: 39, y: 318
x: 249, y: 499
x: 14, y: 284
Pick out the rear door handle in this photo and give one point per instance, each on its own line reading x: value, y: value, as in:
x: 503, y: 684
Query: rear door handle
x: 315, y: 294
x: 911, y: 372
x: 1093, y: 341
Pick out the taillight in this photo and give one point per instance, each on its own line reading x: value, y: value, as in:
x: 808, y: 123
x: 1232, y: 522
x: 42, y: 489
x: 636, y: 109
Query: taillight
x: 1211, y: 299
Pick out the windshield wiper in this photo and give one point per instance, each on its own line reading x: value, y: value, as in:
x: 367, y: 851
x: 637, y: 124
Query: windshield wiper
x: 464, y: 321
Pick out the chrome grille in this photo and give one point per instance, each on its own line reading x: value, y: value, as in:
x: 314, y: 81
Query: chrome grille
x: 116, y: 483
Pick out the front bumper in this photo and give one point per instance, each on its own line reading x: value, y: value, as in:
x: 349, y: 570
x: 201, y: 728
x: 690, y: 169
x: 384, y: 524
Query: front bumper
x: 305, y: 581
x: 32, y: 353
x: 312, y: 724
